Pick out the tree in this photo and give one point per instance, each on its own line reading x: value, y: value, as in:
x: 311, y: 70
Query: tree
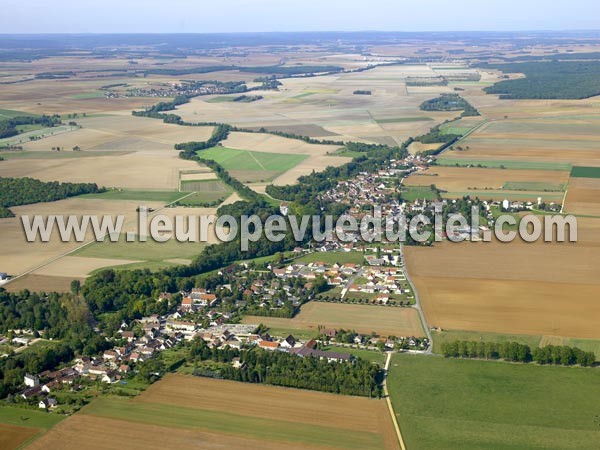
x: 75, y: 287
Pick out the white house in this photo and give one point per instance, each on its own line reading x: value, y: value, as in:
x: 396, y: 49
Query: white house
x: 31, y: 380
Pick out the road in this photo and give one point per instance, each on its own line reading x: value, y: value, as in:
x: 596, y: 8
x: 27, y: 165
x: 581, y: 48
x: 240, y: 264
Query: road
x: 417, y: 304
x: 389, y: 402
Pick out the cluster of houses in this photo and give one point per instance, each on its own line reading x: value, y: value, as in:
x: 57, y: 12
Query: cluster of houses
x: 385, y: 282
x: 171, y: 90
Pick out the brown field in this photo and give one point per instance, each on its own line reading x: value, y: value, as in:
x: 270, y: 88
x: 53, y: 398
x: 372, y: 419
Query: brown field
x: 463, y: 178
x: 13, y: 436
x: 41, y: 283
x: 515, y: 288
x: 361, y: 318
x: 25, y: 255
x: 560, y: 134
x: 583, y: 196
x: 417, y: 147
x: 79, y: 267
x: 110, y: 434
x: 240, y: 402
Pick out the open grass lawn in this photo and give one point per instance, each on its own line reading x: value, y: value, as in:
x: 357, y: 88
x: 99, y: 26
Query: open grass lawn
x: 450, y: 404
x: 126, y: 194
x: 234, y: 159
x: 508, y: 164
x: 585, y: 172
x: 332, y: 258
x: 412, y: 193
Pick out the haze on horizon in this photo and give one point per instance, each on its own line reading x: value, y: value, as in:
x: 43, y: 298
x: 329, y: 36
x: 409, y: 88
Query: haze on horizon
x: 198, y: 16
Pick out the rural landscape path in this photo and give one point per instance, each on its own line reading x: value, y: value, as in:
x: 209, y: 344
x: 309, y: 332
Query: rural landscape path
x: 389, y: 401
x: 417, y: 304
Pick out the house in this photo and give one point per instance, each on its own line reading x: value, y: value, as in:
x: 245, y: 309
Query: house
x: 110, y: 377
x: 48, y: 403
x: 187, y: 304
x: 31, y: 392
x: 288, y: 342
x: 237, y: 364
x: 268, y: 345
x: 128, y: 335
x: 284, y: 209
x: 31, y: 380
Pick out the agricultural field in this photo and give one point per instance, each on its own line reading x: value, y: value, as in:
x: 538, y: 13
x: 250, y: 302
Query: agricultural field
x: 455, y: 182
x: 19, y: 426
x: 250, y: 166
x: 181, y: 411
x: 557, y: 136
x: 466, y: 404
x: 514, y: 288
x: 385, y: 321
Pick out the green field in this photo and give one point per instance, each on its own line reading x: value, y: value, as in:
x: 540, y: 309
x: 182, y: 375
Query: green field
x: 585, y: 172
x: 404, y: 119
x: 220, y: 99
x: 125, y: 194
x: 87, y: 95
x: 533, y: 186
x: 507, y: 164
x: 230, y: 423
x: 153, y: 254
x: 205, y: 191
x: 412, y: 193
x: 450, y: 404
x: 332, y: 258
x: 234, y: 159
x: 10, y: 113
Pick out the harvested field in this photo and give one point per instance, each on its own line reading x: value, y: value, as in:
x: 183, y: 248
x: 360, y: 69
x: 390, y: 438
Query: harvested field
x: 418, y: 147
x: 108, y: 171
x: 463, y: 179
x: 41, y: 283
x: 583, y: 197
x: 514, y: 288
x: 79, y: 267
x: 25, y: 255
x: 560, y: 139
x: 385, y: 321
x: 213, y: 414
x: 13, y: 436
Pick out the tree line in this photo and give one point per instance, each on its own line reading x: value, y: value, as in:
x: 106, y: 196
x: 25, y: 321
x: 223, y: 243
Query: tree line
x: 8, y: 127
x: 25, y: 191
x: 516, y: 352
x: 285, y: 369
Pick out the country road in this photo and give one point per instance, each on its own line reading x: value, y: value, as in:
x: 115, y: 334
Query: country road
x: 389, y: 402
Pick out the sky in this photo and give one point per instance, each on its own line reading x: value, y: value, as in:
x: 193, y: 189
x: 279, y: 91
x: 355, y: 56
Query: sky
x: 201, y: 16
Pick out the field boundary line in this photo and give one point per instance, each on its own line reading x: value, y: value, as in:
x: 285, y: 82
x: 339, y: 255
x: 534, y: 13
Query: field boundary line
x: 389, y: 403
x: 257, y: 161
